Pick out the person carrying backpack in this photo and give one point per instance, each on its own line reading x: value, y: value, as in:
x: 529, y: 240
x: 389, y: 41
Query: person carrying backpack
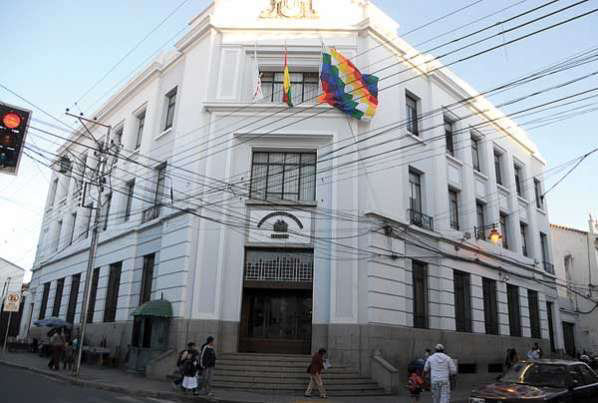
x: 183, y: 355
x: 190, y: 366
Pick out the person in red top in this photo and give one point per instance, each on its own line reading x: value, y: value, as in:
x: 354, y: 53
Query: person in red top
x: 315, y: 372
x: 415, y: 386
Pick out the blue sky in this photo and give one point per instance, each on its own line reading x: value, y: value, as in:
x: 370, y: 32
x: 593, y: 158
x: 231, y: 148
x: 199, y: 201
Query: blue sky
x: 54, y: 51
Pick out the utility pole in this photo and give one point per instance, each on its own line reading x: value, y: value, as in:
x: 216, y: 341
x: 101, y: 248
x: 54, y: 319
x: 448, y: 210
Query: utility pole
x: 99, y: 174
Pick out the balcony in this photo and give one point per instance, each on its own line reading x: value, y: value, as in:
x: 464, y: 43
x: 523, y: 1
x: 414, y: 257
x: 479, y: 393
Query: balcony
x: 150, y: 213
x: 548, y: 267
x: 420, y: 219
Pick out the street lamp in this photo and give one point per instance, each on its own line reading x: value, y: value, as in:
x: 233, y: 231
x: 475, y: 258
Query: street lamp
x: 495, y: 236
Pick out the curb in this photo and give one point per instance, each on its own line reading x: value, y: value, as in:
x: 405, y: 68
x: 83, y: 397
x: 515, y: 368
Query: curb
x: 121, y: 389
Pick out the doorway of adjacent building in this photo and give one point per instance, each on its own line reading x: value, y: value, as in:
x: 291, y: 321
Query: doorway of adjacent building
x: 569, y: 338
x: 276, y: 313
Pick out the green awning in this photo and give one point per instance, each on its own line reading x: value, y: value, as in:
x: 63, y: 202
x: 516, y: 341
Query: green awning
x: 158, y: 308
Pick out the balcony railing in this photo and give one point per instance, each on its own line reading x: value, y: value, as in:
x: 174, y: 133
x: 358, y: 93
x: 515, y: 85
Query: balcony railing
x: 480, y: 233
x: 548, y: 267
x: 421, y: 220
x: 150, y: 213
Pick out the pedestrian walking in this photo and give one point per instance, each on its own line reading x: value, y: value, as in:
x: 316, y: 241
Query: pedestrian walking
x: 183, y: 355
x: 208, y: 363
x: 68, y: 356
x: 534, y: 354
x: 315, y: 373
x: 57, y: 348
x: 441, y: 367
x: 511, y: 358
x: 190, y: 368
x: 415, y: 385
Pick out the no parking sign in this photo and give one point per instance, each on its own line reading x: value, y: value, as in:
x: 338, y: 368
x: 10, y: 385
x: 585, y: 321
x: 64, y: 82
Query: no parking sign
x: 12, y: 302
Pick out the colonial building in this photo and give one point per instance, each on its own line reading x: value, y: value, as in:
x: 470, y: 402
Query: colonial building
x: 576, y: 264
x: 280, y: 229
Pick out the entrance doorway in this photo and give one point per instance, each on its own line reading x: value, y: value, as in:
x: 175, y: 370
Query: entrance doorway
x: 276, y: 313
x: 276, y: 321
x: 569, y: 338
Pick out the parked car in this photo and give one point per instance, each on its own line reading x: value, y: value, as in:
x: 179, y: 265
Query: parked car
x: 556, y: 381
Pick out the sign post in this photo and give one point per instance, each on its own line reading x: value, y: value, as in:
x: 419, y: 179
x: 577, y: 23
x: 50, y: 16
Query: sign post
x: 11, y: 304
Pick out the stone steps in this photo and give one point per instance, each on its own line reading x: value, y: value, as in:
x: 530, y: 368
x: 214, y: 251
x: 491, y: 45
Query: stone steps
x: 283, y: 373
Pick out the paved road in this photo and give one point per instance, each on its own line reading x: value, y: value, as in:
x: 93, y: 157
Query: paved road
x: 18, y: 385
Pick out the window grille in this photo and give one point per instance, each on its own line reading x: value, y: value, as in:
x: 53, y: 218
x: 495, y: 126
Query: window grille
x: 278, y: 266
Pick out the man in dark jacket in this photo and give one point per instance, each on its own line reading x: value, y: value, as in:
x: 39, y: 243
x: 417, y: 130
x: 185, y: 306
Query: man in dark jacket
x: 315, y: 372
x: 208, y: 362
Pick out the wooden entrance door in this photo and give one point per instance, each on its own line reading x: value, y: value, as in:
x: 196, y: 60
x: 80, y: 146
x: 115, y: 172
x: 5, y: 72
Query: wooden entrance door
x: 276, y: 321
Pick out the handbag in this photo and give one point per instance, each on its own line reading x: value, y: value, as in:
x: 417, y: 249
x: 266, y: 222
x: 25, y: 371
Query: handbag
x: 327, y: 364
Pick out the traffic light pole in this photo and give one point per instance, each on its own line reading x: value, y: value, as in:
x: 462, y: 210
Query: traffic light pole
x: 100, y: 170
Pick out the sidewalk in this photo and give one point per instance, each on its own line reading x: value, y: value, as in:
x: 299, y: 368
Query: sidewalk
x: 117, y: 380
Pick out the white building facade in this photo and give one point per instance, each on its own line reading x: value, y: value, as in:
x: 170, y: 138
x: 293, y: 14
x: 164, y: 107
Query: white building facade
x: 576, y: 264
x: 281, y: 229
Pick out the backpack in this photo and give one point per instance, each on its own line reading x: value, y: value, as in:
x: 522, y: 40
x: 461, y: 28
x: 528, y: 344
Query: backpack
x: 189, y: 367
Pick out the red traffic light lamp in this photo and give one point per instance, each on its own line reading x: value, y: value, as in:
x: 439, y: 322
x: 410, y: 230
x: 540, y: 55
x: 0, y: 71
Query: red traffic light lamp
x: 11, y: 120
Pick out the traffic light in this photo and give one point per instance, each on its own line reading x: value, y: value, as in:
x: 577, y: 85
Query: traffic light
x: 13, y: 129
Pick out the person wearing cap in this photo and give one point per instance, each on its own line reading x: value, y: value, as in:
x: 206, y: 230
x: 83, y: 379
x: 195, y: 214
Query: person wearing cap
x: 440, y: 367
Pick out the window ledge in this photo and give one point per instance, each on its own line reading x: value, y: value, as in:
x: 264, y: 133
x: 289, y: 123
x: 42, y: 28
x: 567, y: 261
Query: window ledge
x: 480, y: 175
x: 454, y: 159
x: 523, y: 200
x: 277, y: 203
x: 503, y: 188
x: 415, y: 138
x: 163, y: 133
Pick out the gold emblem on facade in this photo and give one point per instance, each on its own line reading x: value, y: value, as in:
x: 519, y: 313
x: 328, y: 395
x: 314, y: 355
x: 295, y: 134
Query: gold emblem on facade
x: 290, y: 9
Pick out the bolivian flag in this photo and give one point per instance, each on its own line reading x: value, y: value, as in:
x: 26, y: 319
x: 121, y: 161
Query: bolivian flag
x: 286, y: 85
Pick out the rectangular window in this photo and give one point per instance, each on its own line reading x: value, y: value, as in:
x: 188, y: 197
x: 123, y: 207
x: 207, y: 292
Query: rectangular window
x: 498, y: 167
x: 112, y: 293
x: 420, y: 295
x: 480, y: 220
x: 548, y: 266
x: 147, y: 276
x: 475, y: 153
x: 106, y: 214
x: 305, y: 86
x: 118, y: 136
x: 449, y: 136
x: 534, y: 313
x: 170, y: 105
x: 58, y: 298
x: 160, y: 184
x: 91, y: 305
x: 549, y: 308
x: 538, y: 193
x: 140, y: 126
x: 73, y: 296
x: 53, y: 191
x: 462, y: 284
x: 415, y: 197
x: 57, y: 238
x: 454, y: 208
x: 88, y: 220
x: 44, y: 304
x: 129, y: 202
x: 490, y: 306
x: 523, y: 228
x: 514, y: 310
x: 412, y: 119
x: 504, y: 230
x: 518, y: 180
x: 285, y: 176
x: 71, y: 235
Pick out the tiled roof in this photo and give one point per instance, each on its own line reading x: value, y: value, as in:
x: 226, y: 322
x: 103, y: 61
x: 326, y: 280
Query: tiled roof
x: 568, y: 228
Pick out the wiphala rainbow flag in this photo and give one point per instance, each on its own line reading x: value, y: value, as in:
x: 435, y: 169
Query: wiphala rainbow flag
x: 346, y: 88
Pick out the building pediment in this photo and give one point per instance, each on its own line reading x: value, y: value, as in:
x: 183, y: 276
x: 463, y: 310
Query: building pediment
x: 301, y: 14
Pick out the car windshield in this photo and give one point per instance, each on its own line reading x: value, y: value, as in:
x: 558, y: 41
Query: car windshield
x: 536, y: 374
